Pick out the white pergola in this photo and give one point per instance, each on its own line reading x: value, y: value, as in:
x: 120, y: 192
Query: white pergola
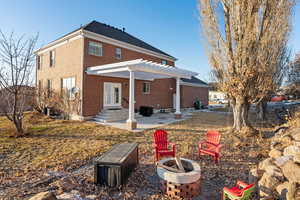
x: 142, y: 70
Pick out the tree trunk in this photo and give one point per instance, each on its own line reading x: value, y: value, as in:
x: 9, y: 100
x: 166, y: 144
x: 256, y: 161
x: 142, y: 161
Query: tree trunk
x: 262, y: 110
x: 240, y: 109
x: 19, y: 126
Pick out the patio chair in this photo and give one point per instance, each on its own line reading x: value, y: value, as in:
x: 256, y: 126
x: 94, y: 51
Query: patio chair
x: 161, y: 145
x: 211, y: 146
x: 242, y: 191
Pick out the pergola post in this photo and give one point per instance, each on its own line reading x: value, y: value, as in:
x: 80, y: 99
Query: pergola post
x: 131, y: 122
x: 177, y: 113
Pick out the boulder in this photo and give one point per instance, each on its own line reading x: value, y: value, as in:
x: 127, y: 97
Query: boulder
x: 295, y: 133
x: 44, y: 196
x: 274, y: 153
x: 297, y: 136
x: 273, y: 170
x: 65, y: 184
x: 291, y: 171
x: 254, y: 175
x: 263, y: 164
x: 291, y: 150
x: 266, y: 185
x: 282, y: 160
x: 297, y: 158
x: 282, y: 189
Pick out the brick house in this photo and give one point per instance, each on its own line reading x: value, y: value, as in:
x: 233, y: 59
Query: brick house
x: 113, y: 69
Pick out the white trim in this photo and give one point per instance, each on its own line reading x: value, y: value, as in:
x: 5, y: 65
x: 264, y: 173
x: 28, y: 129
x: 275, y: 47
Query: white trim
x: 119, y: 85
x: 84, y: 33
x: 68, y: 38
x: 193, y: 84
x: 141, y: 65
x: 102, y: 38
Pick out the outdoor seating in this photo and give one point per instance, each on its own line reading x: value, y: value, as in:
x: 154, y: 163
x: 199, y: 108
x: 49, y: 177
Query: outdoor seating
x: 211, y: 145
x: 161, y: 145
x: 241, y: 191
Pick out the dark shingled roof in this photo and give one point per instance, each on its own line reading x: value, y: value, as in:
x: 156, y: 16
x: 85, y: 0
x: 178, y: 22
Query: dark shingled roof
x: 117, y: 34
x: 194, y: 80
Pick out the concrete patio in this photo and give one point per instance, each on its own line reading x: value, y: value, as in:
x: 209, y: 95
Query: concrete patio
x: 154, y: 121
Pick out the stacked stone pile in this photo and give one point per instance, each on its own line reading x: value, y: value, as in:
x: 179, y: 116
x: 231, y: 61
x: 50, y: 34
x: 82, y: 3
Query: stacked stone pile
x: 278, y: 176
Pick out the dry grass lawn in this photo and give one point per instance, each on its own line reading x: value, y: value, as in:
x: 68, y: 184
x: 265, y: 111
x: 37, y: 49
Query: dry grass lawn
x: 66, y: 145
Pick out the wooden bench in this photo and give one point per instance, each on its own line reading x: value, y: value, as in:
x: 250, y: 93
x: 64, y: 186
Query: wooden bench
x: 114, y: 167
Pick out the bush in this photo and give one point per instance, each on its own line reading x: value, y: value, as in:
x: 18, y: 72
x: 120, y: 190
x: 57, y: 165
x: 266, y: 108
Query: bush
x: 197, y: 104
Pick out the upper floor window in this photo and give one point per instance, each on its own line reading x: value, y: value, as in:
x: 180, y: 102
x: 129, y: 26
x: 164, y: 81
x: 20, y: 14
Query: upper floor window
x: 39, y: 62
x: 164, y: 62
x: 118, y: 53
x: 95, y: 48
x: 67, y: 84
x: 146, y: 88
x: 52, y: 58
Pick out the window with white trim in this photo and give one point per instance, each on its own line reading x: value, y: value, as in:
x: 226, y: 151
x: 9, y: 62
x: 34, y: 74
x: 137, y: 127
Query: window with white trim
x: 52, y: 58
x: 49, y: 88
x: 67, y: 84
x: 146, y: 88
x: 164, y: 62
x: 39, y: 62
x: 118, y: 53
x: 95, y: 48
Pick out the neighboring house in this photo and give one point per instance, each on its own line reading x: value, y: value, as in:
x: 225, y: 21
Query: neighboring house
x: 107, y: 65
x: 215, y: 95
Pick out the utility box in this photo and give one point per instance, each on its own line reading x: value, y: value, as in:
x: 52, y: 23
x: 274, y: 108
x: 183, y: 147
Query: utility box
x: 113, y: 168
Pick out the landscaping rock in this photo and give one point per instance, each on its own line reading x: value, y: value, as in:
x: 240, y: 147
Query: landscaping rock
x: 291, y: 151
x: 44, y: 196
x: 291, y: 171
x: 65, y: 184
x: 273, y: 170
x: 297, y: 136
x: 282, y: 160
x: 282, y: 189
x: 267, y: 162
x: 274, y: 153
x: 295, y: 133
x: 266, y: 185
x: 297, y: 158
x: 255, y: 175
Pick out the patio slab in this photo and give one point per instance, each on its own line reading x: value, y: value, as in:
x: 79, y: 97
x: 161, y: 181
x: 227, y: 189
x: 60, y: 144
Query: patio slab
x: 154, y: 121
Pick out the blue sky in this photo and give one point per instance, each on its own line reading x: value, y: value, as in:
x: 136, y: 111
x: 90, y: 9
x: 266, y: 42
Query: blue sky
x: 171, y: 26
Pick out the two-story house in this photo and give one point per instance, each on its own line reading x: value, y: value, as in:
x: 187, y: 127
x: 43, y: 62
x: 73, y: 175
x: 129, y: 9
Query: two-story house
x: 115, y: 70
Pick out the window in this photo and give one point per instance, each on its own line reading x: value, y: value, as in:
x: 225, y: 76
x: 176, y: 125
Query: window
x: 49, y: 88
x: 40, y: 86
x: 39, y: 62
x: 52, y: 58
x: 67, y: 84
x: 146, y: 88
x: 118, y: 53
x: 164, y: 62
x: 95, y: 48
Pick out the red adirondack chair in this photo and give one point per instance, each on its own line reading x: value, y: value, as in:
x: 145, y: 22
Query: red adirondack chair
x: 211, y: 145
x: 242, y: 191
x: 161, y: 145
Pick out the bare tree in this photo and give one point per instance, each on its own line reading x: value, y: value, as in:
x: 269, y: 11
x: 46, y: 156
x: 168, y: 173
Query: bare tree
x: 293, y: 81
x: 16, y: 64
x: 246, y: 41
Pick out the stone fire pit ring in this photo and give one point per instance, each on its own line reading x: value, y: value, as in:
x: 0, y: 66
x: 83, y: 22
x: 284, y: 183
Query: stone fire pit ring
x: 180, y: 184
x: 180, y: 178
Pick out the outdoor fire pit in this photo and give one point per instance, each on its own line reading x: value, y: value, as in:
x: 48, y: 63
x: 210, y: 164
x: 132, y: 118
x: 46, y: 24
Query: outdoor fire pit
x: 179, y: 181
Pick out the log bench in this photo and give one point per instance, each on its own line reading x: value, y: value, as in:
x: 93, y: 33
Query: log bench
x: 113, y: 168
